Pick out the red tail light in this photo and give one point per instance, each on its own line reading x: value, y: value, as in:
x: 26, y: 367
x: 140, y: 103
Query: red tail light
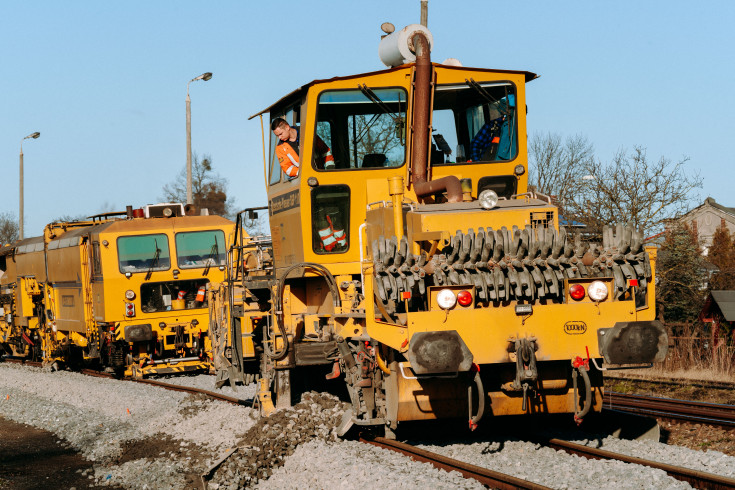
x: 576, y: 291
x: 129, y: 309
x: 464, y: 298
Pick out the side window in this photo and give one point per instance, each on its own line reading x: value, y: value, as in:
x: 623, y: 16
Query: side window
x: 275, y: 169
x: 330, y: 215
x: 96, y: 262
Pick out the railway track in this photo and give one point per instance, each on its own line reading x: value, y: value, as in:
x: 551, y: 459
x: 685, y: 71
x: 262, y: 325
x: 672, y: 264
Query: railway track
x: 491, y: 478
x: 696, y: 479
x: 716, y: 414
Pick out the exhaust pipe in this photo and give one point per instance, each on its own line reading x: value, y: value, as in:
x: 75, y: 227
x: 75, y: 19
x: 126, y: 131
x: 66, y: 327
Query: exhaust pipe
x: 421, y: 108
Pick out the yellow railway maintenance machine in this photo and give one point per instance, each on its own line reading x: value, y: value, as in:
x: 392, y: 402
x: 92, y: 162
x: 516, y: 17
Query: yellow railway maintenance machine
x: 128, y: 294
x: 417, y: 270
x: 22, y: 276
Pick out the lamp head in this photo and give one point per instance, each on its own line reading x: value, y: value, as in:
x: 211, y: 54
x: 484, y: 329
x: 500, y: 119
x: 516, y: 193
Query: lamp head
x: 207, y: 76
x: 33, y: 135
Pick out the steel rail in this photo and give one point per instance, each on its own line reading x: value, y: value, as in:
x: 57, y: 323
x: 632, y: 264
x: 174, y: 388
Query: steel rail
x: 173, y: 387
x: 491, y: 478
x: 700, y: 383
x: 696, y: 479
x: 687, y: 410
x: 22, y: 361
x: 189, y: 389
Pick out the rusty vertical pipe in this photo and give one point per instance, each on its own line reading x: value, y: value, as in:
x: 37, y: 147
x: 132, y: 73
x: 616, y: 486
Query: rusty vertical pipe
x: 421, y: 108
x: 422, y: 131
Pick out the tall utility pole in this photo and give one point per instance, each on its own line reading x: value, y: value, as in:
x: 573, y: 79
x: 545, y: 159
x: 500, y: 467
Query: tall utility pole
x: 205, y: 77
x: 20, y: 222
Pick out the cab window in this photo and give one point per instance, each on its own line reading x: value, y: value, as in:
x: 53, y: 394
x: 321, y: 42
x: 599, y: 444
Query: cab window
x: 143, y: 253
x: 197, y: 249
x: 474, y: 122
x: 360, y: 129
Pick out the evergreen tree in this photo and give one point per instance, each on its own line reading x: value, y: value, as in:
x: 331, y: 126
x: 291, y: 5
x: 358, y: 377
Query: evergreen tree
x: 722, y: 254
x: 680, y: 276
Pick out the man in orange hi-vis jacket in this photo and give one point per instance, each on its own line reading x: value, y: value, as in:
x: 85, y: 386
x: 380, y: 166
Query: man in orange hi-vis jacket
x: 287, y: 151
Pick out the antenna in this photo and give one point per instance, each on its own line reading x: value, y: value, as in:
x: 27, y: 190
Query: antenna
x: 424, y: 12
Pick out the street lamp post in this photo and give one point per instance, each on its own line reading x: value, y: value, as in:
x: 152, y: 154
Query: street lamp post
x: 20, y: 222
x: 205, y: 77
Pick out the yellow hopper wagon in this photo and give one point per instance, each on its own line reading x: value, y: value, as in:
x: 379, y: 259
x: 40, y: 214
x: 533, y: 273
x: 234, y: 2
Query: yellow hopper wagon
x: 417, y: 270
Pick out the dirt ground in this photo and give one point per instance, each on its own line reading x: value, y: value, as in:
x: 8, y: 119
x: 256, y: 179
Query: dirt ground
x: 695, y: 436
x: 31, y: 458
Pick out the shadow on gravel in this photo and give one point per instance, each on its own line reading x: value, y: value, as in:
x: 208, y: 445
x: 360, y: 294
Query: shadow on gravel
x: 32, y: 458
x: 165, y: 447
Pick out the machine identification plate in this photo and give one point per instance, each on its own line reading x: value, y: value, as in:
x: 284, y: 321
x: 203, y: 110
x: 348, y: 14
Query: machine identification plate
x: 284, y: 202
x: 575, y: 328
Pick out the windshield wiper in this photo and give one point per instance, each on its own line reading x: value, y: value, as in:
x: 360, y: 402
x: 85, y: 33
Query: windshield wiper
x: 155, y: 261
x: 212, y: 254
x: 368, y: 92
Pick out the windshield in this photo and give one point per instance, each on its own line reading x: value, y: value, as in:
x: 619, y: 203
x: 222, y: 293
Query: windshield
x: 474, y: 122
x: 200, y: 249
x: 143, y: 253
x: 363, y: 128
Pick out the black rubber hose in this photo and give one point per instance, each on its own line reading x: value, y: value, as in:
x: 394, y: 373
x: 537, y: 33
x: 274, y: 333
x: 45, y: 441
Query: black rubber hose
x: 474, y: 419
x: 278, y: 305
x: 587, y: 395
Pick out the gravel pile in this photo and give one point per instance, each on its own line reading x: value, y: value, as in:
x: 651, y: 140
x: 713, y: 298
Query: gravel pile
x: 271, y: 440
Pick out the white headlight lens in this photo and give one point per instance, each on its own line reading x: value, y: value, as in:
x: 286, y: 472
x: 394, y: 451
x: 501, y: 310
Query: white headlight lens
x: 488, y: 199
x: 446, y: 299
x: 597, y: 291
x: 130, y: 295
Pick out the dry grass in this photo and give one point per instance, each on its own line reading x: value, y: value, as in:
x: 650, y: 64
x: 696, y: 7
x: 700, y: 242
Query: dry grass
x: 691, y: 357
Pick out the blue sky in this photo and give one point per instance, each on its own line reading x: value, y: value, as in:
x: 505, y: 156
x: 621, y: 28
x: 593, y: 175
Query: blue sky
x: 105, y: 83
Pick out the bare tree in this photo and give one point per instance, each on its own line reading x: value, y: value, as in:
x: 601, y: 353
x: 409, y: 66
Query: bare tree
x: 633, y: 189
x: 8, y: 228
x: 559, y: 168
x: 209, y: 190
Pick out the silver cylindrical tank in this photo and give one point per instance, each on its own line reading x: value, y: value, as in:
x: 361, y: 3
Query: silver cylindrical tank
x: 397, y: 48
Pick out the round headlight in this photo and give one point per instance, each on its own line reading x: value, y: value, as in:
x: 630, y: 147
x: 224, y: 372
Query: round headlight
x: 446, y: 299
x: 488, y: 199
x: 519, y: 170
x: 464, y: 298
x: 130, y: 295
x: 597, y: 291
x: 167, y: 212
x: 576, y: 291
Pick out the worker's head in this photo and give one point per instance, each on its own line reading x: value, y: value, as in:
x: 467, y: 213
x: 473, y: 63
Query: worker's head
x: 281, y: 129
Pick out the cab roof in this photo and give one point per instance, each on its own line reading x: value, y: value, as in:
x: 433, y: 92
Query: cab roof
x: 301, y: 91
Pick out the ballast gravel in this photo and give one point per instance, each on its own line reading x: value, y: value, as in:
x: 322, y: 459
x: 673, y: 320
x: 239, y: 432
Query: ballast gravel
x: 143, y: 437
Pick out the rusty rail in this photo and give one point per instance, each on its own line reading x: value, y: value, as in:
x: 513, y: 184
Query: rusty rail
x: 491, y: 478
x: 696, y: 479
x: 684, y: 410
